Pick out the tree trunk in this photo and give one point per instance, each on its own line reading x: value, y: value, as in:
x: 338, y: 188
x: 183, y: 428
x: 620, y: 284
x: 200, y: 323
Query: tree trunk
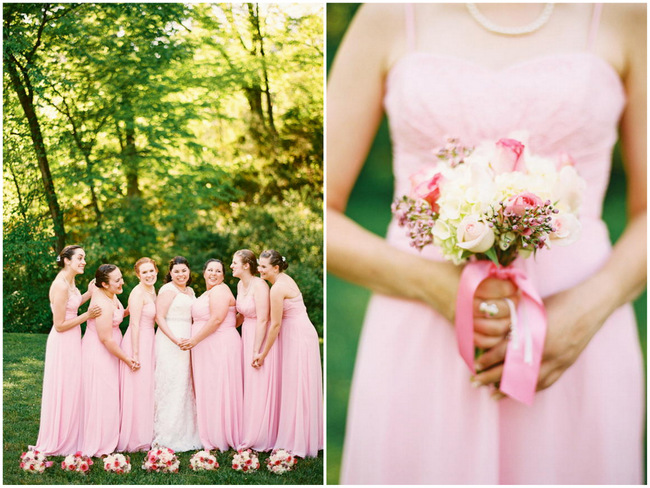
x: 27, y: 103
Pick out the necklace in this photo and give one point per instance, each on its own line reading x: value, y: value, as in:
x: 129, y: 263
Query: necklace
x: 511, y: 31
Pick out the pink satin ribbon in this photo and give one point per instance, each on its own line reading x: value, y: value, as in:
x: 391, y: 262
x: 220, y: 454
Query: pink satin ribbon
x: 522, y: 361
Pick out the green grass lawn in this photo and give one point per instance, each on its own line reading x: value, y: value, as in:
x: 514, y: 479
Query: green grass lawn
x: 22, y: 382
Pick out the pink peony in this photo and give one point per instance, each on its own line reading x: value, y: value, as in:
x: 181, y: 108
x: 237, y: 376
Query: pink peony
x: 428, y: 190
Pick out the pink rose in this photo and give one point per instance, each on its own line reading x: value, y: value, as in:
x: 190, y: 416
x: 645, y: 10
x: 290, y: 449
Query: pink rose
x: 474, y: 235
x: 519, y: 203
x: 507, y: 156
x: 427, y: 189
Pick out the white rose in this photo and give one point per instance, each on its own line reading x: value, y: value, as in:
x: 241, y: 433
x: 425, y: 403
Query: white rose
x: 567, y: 229
x: 474, y: 235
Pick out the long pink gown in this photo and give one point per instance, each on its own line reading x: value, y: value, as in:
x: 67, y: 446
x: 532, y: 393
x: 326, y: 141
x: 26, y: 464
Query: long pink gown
x: 100, y: 380
x: 300, y: 428
x: 137, y: 387
x: 61, y: 401
x: 261, y: 385
x: 218, y: 382
x: 413, y: 416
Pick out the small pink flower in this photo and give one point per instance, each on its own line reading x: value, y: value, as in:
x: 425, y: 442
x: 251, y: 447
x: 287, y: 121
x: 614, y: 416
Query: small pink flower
x: 428, y: 190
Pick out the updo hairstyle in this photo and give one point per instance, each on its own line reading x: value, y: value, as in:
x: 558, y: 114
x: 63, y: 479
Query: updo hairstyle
x: 142, y: 261
x: 275, y: 258
x: 248, y: 257
x: 68, y: 252
x: 175, y: 261
x: 101, y: 275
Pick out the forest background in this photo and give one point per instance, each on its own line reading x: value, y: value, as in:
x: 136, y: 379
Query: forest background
x: 159, y: 130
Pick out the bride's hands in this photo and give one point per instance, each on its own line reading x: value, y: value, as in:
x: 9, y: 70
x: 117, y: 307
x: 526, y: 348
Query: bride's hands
x: 570, y: 328
x: 186, y: 344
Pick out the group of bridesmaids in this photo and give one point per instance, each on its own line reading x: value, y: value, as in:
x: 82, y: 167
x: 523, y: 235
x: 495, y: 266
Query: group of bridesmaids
x: 193, y: 383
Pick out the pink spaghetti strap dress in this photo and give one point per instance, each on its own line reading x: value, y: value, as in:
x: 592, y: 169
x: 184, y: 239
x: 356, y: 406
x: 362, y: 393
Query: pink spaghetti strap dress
x: 137, y: 387
x: 61, y: 401
x: 100, y: 379
x: 218, y: 383
x: 261, y: 385
x: 413, y: 415
x: 300, y: 428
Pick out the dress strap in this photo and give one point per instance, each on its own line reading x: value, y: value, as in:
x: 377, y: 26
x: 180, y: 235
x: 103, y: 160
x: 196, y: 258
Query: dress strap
x: 409, y: 14
x: 595, y: 22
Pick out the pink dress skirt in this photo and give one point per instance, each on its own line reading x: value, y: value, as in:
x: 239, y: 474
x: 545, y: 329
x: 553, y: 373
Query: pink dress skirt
x: 100, y: 379
x: 300, y: 428
x: 261, y: 385
x: 218, y: 384
x: 61, y: 402
x: 137, y: 388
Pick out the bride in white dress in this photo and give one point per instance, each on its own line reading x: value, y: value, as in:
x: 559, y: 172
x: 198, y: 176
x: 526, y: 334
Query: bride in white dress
x: 175, y: 424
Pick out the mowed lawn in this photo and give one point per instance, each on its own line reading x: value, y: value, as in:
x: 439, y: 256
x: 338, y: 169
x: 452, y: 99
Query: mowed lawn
x: 23, y: 374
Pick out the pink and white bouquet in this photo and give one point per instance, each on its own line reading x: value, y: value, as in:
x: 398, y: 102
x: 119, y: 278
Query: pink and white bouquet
x: 495, y: 201
x: 280, y: 461
x: 245, y: 460
x: 203, y: 461
x: 484, y: 207
x: 77, y: 462
x: 117, y: 463
x: 161, y: 460
x: 34, y: 461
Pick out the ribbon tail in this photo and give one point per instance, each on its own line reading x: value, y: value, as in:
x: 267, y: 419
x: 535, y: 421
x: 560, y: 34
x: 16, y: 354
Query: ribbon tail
x: 470, y: 278
x: 521, y: 367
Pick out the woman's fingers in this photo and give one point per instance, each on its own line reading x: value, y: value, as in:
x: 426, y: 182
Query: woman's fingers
x: 492, y: 357
x: 488, y: 377
x: 492, y: 327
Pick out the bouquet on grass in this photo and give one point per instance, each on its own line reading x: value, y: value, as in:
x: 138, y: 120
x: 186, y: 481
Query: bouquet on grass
x: 117, y: 463
x: 34, y: 461
x: 487, y: 206
x: 161, y: 460
x: 77, y: 462
x: 203, y: 461
x: 245, y: 460
x: 280, y: 461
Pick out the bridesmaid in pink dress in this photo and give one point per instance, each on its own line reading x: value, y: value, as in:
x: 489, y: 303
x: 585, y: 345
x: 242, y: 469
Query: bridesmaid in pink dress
x: 100, y: 370
x: 216, y: 362
x: 137, y: 387
x: 262, y: 384
x: 61, y: 401
x: 574, y: 78
x: 300, y: 426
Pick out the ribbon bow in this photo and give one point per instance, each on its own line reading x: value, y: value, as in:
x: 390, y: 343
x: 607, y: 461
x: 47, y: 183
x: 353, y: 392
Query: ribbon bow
x: 521, y: 366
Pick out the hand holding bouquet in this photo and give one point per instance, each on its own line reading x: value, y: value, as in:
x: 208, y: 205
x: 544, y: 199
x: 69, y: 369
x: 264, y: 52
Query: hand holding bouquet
x: 487, y: 206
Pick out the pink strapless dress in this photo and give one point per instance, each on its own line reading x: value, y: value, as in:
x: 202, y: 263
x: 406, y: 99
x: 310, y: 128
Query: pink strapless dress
x: 261, y: 385
x: 61, y: 402
x: 100, y: 380
x: 218, y: 382
x: 137, y: 387
x: 300, y: 428
x: 413, y: 416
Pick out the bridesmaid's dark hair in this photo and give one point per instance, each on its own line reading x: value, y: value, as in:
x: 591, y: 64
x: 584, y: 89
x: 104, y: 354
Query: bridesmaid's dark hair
x: 214, y: 260
x: 174, y: 262
x: 68, y: 252
x: 275, y: 258
x: 248, y: 257
x: 142, y: 261
x: 101, y: 275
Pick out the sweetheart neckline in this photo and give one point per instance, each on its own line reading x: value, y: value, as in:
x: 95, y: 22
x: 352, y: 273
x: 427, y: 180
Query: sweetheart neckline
x: 510, y: 67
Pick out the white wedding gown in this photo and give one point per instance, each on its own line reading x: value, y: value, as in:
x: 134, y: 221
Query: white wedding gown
x: 175, y: 424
